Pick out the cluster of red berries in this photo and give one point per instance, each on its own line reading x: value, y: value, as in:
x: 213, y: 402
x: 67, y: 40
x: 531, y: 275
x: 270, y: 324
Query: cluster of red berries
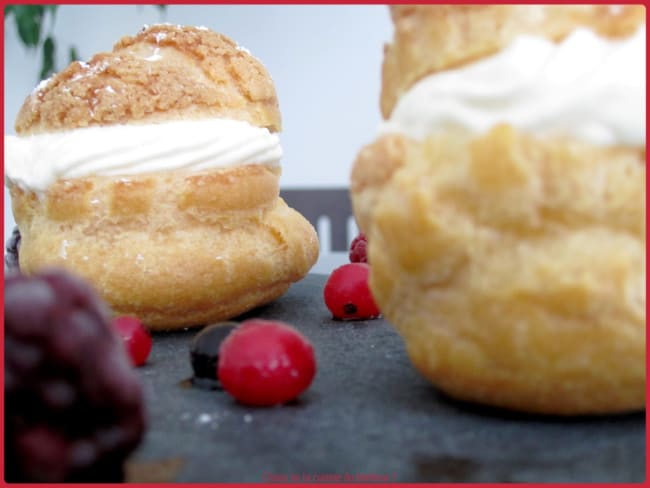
x: 259, y: 362
x: 359, y: 249
x: 263, y: 362
x: 347, y: 294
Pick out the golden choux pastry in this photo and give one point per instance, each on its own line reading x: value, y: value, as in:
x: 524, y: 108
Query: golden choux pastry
x: 153, y: 171
x: 507, y: 245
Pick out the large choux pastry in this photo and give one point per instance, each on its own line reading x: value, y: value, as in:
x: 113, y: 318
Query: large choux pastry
x: 153, y: 171
x: 504, y: 203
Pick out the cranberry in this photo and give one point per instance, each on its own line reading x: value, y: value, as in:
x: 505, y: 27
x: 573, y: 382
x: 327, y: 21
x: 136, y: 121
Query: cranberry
x: 136, y: 337
x: 358, y: 249
x: 347, y: 294
x: 265, y: 362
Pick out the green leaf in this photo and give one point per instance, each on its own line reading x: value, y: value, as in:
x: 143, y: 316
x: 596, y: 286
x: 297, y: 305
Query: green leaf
x: 29, y: 19
x: 73, y: 54
x: 47, y: 66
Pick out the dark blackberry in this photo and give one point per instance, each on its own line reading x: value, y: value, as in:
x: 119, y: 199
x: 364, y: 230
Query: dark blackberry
x: 73, y: 404
x: 204, y: 354
x: 12, y: 247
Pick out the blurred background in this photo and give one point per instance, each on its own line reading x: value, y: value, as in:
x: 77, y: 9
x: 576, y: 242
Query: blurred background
x: 325, y: 61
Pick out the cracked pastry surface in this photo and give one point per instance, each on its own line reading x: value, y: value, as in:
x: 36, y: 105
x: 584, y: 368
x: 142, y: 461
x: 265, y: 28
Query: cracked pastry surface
x: 164, y: 72
x: 177, y: 233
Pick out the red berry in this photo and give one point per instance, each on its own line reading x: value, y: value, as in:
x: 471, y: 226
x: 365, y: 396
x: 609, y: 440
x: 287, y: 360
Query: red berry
x: 136, y: 337
x: 358, y: 253
x: 265, y: 362
x: 347, y: 294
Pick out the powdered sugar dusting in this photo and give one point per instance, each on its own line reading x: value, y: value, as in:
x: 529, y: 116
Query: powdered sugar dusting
x: 155, y: 56
x: 89, y: 70
x: 63, y: 251
x: 204, y: 418
x: 42, y: 85
x: 243, y: 49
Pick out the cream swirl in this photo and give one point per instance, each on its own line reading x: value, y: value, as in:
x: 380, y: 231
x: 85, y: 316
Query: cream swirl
x: 35, y: 161
x: 586, y: 86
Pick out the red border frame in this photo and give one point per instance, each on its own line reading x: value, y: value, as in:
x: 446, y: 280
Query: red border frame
x: 267, y: 2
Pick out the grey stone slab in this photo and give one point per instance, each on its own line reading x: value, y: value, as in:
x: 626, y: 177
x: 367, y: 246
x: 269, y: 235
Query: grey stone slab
x: 368, y: 416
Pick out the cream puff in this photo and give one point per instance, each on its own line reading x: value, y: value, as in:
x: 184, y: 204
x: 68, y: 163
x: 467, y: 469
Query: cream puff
x: 504, y: 203
x: 153, y: 172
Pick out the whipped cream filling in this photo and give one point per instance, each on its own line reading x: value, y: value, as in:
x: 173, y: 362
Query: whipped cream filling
x: 34, y: 162
x: 586, y: 86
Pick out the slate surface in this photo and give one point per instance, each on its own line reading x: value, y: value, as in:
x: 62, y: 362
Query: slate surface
x: 368, y: 416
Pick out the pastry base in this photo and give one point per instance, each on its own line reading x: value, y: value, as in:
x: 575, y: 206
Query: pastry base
x: 513, y: 267
x: 176, y: 250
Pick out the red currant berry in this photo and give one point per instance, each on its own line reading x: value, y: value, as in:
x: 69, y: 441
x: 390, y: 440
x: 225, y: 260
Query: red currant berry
x: 137, y: 340
x: 265, y: 362
x: 358, y: 249
x: 347, y: 294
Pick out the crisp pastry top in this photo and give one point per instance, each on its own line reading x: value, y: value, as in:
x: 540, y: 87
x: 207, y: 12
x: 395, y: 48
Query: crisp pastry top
x: 165, y: 72
x: 428, y: 40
